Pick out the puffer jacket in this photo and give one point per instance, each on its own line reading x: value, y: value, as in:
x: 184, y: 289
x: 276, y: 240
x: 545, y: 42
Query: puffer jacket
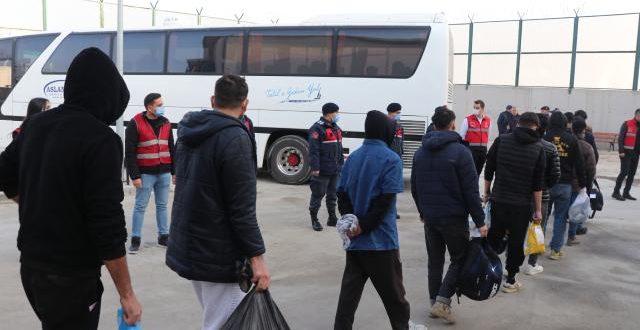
x: 213, y: 221
x: 552, y: 170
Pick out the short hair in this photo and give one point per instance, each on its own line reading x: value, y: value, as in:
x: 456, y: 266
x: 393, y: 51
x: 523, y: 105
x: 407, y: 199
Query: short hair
x: 394, y: 107
x: 569, y: 116
x: 479, y: 102
x: 637, y: 112
x: 330, y: 107
x: 440, y: 108
x: 579, y: 125
x: 528, y: 119
x: 509, y: 107
x: 36, y: 105
x: 580, y: 113
x: 230, y: 91
x: 546, y: 107
x: 544, y: 123
x: 150, y: 98
x: 443, y: 118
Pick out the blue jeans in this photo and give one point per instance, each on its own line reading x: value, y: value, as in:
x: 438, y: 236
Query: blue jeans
x: 561, y: 197
x: 160, y: 184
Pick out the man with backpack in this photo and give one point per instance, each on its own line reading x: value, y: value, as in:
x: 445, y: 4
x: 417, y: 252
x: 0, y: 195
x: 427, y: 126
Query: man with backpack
x: 517, y: 160
x: 444, y: 185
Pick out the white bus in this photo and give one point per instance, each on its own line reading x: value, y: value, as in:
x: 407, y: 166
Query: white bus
x: 361, y: 64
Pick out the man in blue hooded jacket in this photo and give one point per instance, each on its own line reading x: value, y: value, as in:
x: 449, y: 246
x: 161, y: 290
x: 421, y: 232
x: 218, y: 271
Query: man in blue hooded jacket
x: 444, y: 185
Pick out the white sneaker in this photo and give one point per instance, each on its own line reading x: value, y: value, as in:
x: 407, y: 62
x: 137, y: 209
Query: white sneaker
x: 414, y: 326
x: 511, y: 288
x: 533, y: 270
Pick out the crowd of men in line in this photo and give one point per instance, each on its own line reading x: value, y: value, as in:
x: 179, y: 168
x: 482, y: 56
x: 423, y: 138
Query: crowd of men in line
x: 72, y: 221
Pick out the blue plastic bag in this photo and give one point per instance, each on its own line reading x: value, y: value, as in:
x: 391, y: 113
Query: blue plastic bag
x: 122, y: 325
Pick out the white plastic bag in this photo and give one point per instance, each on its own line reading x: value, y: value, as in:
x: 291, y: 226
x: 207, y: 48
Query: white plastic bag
x: 475, y: 232
x: 346, y: 223
x: 580, y: 209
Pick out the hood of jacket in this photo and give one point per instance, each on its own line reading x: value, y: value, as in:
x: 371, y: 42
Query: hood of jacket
x: 525, y: 135
x: 198, y: 126
x: 436, y: 140
x: 378, y: 126
x: 94, y: 85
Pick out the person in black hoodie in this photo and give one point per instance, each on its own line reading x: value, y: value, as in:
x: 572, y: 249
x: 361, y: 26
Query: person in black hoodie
x: 213, y: 222
x: 444, y: 186
x: 518, y: 162
x: 64, y: 168
x: 571, y: 167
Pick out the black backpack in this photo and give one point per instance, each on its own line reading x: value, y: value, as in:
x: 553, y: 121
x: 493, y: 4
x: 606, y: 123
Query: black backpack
x: 595, y: 197
x: 481, y: 274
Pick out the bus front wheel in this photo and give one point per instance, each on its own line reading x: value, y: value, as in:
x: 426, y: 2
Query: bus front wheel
x: 289, y: 160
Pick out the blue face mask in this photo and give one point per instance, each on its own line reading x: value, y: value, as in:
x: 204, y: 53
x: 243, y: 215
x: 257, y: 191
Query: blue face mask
x: 336, y: 119
x: 160, y: 111
x: 398, y: 117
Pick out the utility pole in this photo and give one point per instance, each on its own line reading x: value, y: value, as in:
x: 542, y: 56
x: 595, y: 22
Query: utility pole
x: 44, y: 15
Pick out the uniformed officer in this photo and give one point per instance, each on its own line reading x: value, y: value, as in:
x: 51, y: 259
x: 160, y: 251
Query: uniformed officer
x: 394, y: 113
x: 475, y: 130
x: 326, y: 158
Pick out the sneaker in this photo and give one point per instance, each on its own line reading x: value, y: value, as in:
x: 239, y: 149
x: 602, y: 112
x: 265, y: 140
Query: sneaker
x: 556, y: 255
x: 511, y: 288
x: 533, y: 270
x: 629, y: 197
x: 581, y: 231
x: 134, y: 248
x: 617, y: 196
x: 415, y: 326
x: 163, y: 239
x: 442, y: 311
x: 573, y: 241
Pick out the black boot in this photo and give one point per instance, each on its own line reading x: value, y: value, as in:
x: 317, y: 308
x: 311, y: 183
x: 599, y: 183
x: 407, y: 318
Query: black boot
x: 616, y: 195
x: 333, y: 219
x: 628, y: 196
x: 314, y: 221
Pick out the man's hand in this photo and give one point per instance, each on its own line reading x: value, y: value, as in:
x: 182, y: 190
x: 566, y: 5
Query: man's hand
x: 622, y: 155
x: 537, y: 217
x: 355, y: 232
x: 137, y: 183
x: 484, y: 231
x: 261, y: 277
x: 485, y: 197
x: 173, y: 179
x: 315, y: 173
x: 132, y: 309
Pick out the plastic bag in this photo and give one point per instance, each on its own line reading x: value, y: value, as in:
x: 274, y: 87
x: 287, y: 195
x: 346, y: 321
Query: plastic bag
x: 256, y: 311
x: 475, y: 232
x: 345, y: 224
x: 534, y: 243
x: 580, y: 209
x: 122, y: 325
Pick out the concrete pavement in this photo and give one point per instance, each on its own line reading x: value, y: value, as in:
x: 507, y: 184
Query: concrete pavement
x: 596, y: 286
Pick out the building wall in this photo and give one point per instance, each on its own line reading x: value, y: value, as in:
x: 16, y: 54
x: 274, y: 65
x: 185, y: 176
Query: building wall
x: 607, y: 109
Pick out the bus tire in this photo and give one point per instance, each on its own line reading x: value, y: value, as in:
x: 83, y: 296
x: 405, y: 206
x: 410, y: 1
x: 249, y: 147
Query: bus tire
x: 288, y: 159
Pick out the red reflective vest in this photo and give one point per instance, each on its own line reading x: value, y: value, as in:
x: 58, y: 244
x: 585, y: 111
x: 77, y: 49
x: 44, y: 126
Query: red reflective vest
x: 478, y: 132
x: 152, y: 150
x: 630, y: 138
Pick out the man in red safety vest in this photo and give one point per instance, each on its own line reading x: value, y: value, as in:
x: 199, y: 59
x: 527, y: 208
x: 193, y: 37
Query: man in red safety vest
x: 149, y: 150
x: 475, y: 130
x: 629, y: 149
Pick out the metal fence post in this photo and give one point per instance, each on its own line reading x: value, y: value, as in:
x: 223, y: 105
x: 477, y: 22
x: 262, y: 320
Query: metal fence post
x: 153, y: 12
x: 469, y: 54
x: 519, y: 52
x: 44, y: 15
x: 636, y: 70
x: 101, y: 14
x: 199, y: 13
x: 574, y: 50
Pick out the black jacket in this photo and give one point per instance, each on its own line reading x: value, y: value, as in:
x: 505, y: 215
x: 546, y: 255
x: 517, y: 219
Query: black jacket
x: 571, y: 160
x: 444, y: 182
x: 398, y: 139
x: 213, y: 221
x: 552, y: 168
x: 518, y: 161
x: 324, y: 156
x: 588, y: 136
x: 65, y: 166
x: 505, y: 122
x: 131, y: 144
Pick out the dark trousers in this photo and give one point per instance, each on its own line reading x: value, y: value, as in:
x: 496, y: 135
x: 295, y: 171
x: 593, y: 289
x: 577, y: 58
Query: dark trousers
x: 628, y: 167
x: 513, y: 219
x: 440, y: 238
x: 320, y: 186
x: 479, y: 157
x: 385, y: 271
x: 63, y: 302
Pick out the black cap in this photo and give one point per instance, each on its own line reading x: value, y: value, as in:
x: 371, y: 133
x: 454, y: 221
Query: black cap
x: 328, y: 108
x: 509, y: 107
x: 394, y: 107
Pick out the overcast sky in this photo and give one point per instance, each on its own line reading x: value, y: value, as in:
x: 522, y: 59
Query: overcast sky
x: 27, y: 13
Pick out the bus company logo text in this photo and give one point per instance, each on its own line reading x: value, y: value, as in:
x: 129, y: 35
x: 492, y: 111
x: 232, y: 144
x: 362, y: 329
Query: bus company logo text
x: 54, y: 89
x: 308, y: 93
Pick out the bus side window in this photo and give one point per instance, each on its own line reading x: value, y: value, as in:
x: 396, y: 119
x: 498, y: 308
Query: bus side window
x: 144, y: 52
x: 71, y: 46
x: 198, y: 52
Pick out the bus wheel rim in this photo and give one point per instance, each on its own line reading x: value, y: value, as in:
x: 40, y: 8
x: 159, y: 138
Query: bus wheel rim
x: 289, y: 161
